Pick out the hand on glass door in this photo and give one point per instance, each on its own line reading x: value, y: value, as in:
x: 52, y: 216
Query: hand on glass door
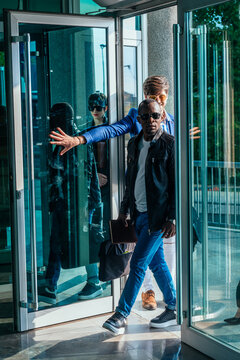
x: 62, y: 139
x: 194, y: 133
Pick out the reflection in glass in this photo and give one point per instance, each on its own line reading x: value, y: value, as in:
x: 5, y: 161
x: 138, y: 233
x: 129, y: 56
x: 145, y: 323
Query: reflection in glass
x: 130, y: 78
x: 90, y: 7
x: 215, y: 168
x: 6, y: 296
x: 67, y: 65
x: 130, y: 83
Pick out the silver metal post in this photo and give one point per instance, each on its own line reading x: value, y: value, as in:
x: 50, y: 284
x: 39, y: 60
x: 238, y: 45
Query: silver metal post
x: 219, y: 194
x: 197, y: 181
x: 227, y: 102
x: 203, y: 117
x: 30, y: 166
x: 216, y: 100
x: 192, y: 180
x: 176, y: 46
x: 212, y: 199
x: 228, y: 153
x: 235, y: 197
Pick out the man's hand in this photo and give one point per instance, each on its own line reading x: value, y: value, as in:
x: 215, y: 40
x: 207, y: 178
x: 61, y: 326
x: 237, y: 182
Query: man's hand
x: 194, y: 133
x: 102, y: 179
x: 168, y: 230
x: 68, y: 142
x: 123, y: 218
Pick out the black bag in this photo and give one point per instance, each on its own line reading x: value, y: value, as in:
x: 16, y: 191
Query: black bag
x: 121, y: 234
x: 114, y: 260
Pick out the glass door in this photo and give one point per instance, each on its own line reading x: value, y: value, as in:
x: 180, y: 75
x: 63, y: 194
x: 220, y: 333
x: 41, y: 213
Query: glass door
x: 6, y: 294
x: 60, y: 208
x: 209, y: 222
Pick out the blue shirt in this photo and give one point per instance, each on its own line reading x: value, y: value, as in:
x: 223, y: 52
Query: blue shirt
x: 129, y: 124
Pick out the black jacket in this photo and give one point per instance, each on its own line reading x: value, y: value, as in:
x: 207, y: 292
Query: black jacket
x: 159, y: 177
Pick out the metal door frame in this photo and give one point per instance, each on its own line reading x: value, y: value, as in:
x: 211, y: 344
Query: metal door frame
x: 191, y: 336
x: 27, y: 320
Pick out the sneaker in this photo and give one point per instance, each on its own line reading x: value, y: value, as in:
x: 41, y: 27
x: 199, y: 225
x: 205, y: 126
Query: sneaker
x: 90, y: 291
x: 148, y: 300
x: 167, y: 318
x: 116, y: 324
x: 233, y: 321
x: 47, y: 295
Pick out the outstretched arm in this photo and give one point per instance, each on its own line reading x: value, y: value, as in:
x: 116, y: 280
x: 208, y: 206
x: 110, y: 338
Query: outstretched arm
x: 105, y: 132
x: 97, y: 133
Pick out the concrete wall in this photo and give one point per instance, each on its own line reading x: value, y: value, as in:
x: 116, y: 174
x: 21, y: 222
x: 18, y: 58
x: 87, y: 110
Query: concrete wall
x: 160, y: 47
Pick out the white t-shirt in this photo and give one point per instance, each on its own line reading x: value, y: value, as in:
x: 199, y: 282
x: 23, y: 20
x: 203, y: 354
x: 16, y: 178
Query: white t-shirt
x: 140, y: 186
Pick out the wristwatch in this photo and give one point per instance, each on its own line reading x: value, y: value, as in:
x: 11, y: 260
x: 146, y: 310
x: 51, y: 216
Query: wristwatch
x: 173, y: 221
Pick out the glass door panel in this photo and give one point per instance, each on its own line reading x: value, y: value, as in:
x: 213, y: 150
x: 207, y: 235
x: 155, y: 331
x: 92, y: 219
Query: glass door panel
x: 132, y: 68
x: 215, y: 169
x: 69, y: 215
x: 210, y: 184
x: 66, y: 208
x: 6, y: 296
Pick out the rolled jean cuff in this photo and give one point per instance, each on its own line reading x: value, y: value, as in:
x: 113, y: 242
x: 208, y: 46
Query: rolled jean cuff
x: 171, y: 307
x: 121, y: 312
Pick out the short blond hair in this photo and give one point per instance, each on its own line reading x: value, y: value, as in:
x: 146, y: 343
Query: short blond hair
x: 153, y: 85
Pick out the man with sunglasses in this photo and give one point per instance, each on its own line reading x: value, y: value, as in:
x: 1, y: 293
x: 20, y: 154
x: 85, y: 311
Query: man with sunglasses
x: 150, y: 199
x: 154, y: 87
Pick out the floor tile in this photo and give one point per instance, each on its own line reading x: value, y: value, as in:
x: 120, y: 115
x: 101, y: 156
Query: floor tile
x: 87, y: 340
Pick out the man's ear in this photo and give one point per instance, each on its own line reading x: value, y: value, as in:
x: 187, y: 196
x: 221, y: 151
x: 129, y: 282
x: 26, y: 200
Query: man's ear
x: 145, y: 96
x: 139, y: 119
x: 106, y: 108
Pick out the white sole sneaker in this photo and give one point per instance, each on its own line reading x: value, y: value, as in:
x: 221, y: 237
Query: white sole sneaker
x: 163, y: 325
x: 113, y: 330
x: 47, y: 300
x: 92, y: 296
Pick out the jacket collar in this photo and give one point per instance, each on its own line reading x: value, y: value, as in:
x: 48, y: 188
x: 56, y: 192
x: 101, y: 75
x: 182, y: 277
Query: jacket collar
x: 155, y: 138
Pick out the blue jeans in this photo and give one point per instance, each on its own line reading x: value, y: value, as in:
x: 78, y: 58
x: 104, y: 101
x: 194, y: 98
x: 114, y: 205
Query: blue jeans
x: 148, y: 252
x: 92, y: 274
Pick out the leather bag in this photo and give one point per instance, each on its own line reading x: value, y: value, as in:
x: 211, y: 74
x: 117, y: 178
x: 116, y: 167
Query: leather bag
x: 114, y: 260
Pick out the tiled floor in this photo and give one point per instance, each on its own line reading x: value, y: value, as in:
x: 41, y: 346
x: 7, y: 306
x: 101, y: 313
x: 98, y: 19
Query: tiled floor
x: 87, y: 340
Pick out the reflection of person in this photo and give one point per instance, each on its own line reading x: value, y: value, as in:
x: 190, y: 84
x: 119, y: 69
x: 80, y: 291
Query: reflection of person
x: 235, y: 320
x: 97, y: 105
x: 156, y: 87
x: 5, y: 206
x: 62, y: 114
x: 149, y: 194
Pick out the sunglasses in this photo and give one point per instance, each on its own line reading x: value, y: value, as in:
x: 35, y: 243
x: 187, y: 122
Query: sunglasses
x: 146, y: 117
x: 97, y: 107
x: 156, y: 97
